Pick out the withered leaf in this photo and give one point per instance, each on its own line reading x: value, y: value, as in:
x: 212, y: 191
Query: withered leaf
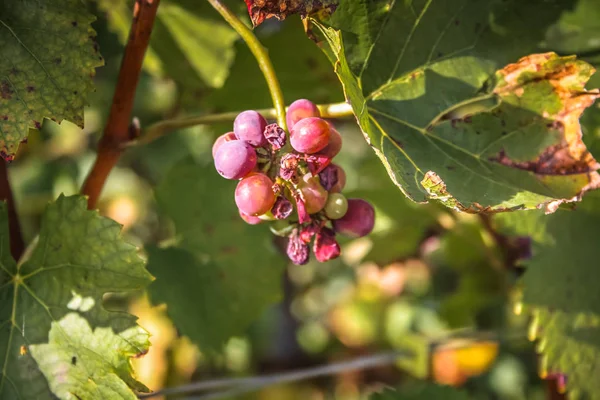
x: 261, y: 10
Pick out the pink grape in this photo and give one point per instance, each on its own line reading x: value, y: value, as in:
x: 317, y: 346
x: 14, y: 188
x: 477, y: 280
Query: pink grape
x: 358, y: 221
x: 310, y: 135
x: 250, y: 219
x: 250, y: 127
x: 334, y: 146
x: 254, y: 194
x: 235, y: 159
x: 226, y: 137
x: 341, y: 183
x: 314, y: 195
x: 300, y: 109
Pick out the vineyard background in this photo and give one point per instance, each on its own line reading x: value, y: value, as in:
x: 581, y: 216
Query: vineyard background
x: 460, y: 297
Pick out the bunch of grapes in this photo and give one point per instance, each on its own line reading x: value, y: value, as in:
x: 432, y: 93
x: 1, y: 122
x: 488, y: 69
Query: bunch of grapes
x: 293, y: 184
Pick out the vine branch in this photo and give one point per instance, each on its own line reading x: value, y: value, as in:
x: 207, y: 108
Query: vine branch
x: 116, y: 131
x: 162, y: 128
x: 261, y: 55
x: 17, y: 246
x: 231, y: 387
x: 237, y: 386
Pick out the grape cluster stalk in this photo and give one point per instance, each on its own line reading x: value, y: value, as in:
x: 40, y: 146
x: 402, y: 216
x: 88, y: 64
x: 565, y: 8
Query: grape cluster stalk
x: 294, y: 185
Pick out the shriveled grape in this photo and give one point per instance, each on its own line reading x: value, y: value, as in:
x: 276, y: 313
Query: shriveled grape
x: 333, y: 178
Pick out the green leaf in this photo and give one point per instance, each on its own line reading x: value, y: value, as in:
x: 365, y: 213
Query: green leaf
x: 222, y: 272
x: 190, y: 42
x: 48, y: 59
x: 87, y: 364
x: 425, y: 82
x: 577, y: 31
x: 569, y: 344
x: 422, y: 391
x: 78, y: 258
x: 560, y: 289
x: 562, y: 273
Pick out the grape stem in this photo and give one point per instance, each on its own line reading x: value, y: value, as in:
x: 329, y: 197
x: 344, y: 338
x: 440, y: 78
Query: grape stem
x: 119, y: 127
x: 160, y: 129
x: 261, y: 55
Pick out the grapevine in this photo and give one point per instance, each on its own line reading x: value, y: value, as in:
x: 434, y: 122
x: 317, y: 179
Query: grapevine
x: 420, y: 223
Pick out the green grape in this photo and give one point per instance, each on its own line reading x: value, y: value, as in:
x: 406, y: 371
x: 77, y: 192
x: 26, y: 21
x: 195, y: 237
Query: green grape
x: 336, y: 206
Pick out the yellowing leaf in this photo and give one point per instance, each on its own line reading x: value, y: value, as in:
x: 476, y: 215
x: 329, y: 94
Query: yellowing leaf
x: 476, y: 359
x: 411, y: 69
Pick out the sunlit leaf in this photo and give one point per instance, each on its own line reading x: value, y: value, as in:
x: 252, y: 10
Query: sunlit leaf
x: 90, y: 364
x: 78, y: 258
x: 410, y: 69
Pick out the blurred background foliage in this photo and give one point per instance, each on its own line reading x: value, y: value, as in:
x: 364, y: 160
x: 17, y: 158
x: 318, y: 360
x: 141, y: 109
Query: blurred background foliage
x: 424, y: 272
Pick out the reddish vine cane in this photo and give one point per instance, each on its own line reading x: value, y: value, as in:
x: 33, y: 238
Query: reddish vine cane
x: 117, y: 129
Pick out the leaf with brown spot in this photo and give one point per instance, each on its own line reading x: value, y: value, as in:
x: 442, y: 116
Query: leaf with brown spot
x: 567, y: 78
x: 260, y: 10
x: 429, y: 92
x: 47, y: 65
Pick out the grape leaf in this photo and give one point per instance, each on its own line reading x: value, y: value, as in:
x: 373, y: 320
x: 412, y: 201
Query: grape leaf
x: 560, y: 289
x: 569, y: 344
x: 223, y: 272
x: 561, y: 275
x: 100, y: 368
x: 78, y: 258
x: 190, y: 42
x: 577, y: 31
x: 48, y: 59
x: 422, y: 391
x: 260, y: 10
x: 451, y: 121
